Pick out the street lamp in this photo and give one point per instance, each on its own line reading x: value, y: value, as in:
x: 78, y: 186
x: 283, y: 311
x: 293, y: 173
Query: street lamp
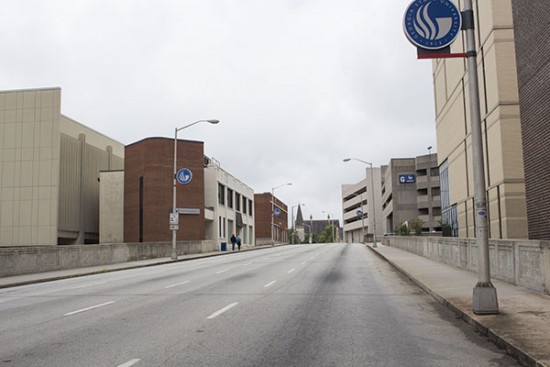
x: 293, y: 222
x: 330, y: 224
x: 372, y: 189
x: 484, y: 300
x: 174, y: 216
x: 273, y: 207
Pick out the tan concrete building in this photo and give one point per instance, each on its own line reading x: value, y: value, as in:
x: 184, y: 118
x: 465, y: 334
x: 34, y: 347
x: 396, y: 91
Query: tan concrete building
x: 500, y: 125
x: 49, y: 170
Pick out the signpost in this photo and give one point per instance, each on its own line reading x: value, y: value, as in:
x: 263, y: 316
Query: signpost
x: 431, y: 26
x: 184, y: 176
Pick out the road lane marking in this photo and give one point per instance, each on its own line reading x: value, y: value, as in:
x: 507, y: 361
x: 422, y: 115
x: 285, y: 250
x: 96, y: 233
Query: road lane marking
x: 304, y: 262
x: 222, y: 271
x: 222, y: 310
x: 89, y: 308
x: 88, y: 285
x: 131, y: 362
x: 176, y: 285
x: 291, y: 270
x: 270, y: 284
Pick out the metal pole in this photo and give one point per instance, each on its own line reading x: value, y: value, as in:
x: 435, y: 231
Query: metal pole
x: 484, y: 299
x: 373, y: 206
x: 430, y: 209
x: 272, y: 218
x: 174, y: 252
x: 362, y: 220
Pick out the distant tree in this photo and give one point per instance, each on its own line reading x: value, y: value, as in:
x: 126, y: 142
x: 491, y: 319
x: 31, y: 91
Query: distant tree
x: 402, y: 230
x: 416, y: 225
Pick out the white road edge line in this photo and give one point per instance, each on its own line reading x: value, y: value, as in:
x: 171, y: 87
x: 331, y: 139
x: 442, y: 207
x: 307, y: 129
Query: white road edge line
x: 220, y: 311
x: 177, y: 284
x: 304, y: 262
x: 291, y: 270
x: 222, y: 271
x: 131, y: 362
x: 270, y: 284
x: 89, y: 308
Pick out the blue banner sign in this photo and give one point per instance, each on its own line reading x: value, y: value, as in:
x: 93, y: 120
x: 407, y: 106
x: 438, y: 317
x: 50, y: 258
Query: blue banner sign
x: 405, y: 179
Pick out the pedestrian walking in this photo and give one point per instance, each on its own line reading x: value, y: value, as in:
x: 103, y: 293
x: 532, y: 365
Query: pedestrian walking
x: 233, y: 242
x: 239, y: 242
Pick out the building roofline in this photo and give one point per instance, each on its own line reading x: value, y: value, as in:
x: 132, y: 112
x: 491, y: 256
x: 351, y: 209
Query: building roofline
x: 165, y: 138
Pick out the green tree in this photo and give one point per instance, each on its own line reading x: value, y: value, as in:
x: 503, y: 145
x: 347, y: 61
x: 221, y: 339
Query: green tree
x: 416, y: 225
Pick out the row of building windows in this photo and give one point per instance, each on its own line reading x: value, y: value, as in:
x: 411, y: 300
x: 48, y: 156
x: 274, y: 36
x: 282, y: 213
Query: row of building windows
x: 234, y: 200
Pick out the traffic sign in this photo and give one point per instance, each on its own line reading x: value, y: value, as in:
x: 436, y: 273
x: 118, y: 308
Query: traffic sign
x: 277, y: 211
x: 184, y: 176
x: 359, y: 213
x: 432, y: 24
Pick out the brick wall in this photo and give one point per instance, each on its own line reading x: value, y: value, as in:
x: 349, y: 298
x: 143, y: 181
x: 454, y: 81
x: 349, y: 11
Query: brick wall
x: 533, y: 66
x: 153, y: 159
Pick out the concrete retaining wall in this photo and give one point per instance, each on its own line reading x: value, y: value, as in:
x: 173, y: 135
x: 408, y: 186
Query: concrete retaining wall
x: 520, y: 262
x: 26, y: 260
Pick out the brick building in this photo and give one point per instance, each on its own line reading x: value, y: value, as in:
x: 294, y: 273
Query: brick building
x: 262, y: 207
x: 533, y: 69
x: 148, y: 190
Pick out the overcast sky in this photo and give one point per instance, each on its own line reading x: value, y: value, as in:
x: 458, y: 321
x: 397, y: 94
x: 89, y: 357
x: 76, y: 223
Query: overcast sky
x: 298, y: 85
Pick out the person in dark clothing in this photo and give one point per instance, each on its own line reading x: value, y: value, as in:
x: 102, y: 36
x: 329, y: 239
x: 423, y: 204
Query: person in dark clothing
x: 239, y: 242
x: 233, y: 242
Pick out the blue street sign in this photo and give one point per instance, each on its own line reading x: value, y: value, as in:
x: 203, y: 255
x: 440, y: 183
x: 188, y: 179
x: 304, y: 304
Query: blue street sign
x: 405, y: 179
x: 432, y: 24
x: 276, y: 211
x: 184, y: 176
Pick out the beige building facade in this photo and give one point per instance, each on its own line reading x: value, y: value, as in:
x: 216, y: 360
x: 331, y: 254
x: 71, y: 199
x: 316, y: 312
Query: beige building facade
x: 49, y: 170
x: 501, y: 128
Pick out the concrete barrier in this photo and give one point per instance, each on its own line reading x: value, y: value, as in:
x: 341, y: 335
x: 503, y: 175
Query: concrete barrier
x: 520, y: 262
x: 37, y: 259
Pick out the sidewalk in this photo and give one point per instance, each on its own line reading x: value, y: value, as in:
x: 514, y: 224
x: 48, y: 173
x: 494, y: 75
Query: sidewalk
x: 523, y: 325
x: 17, y: 280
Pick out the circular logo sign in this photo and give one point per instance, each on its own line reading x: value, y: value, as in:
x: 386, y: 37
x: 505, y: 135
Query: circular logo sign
x: 359, y: 213
x: 432, y: 24
x: 277, y: 211
x: 184, y: 176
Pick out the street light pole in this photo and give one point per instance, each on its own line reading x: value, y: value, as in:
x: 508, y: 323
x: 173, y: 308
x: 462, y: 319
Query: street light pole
x: 273, y: 208
x: 430, y: 208
x: 330, y: 224
x: 174, y: 216
x: 373, y: 204
x: 484, y: 299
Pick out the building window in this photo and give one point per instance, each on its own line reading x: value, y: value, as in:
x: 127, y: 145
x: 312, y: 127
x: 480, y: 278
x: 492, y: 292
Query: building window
x: 230, y: 198
x: 238, y: 202
x: 244, y: 204
x: 220, y: 229
x: 249, y: 207
x: 221, y: 194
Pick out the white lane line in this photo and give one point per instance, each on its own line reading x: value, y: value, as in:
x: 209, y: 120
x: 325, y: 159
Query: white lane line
x: 131, y: 362
x: 222, y: 310
x: 222, y: 271
x: 304, y: 262
x: 291, y: 270
x: 270, y: 284
x: 176, y: 285
x: 89, y: 308
x: 88, y: 285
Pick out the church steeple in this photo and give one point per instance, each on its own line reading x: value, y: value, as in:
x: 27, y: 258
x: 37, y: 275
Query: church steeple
x: 299, y: 217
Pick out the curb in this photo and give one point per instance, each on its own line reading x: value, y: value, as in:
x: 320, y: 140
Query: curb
x: 522, y: 357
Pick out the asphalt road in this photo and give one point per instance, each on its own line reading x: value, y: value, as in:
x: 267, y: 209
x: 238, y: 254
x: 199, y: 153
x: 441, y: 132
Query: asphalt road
x: 304, y: 305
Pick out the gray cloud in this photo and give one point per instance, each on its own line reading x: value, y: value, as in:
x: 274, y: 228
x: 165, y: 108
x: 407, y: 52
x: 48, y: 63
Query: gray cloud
x: 297, y: 85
